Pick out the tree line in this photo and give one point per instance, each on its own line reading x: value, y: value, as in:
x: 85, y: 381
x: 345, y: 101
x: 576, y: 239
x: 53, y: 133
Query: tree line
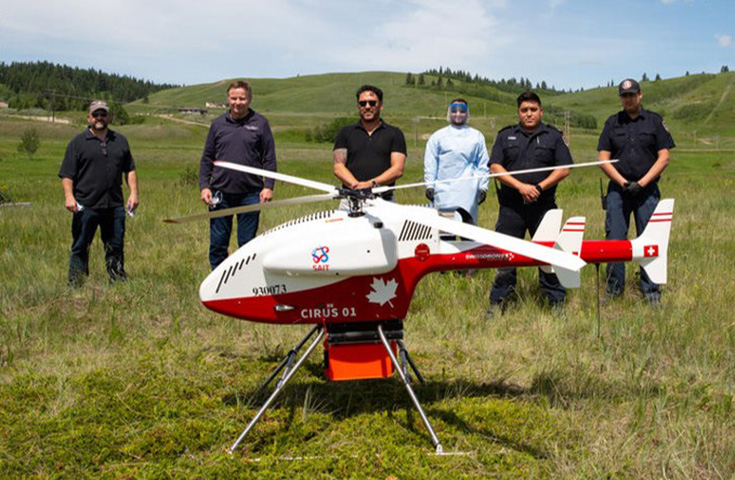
x: 503, y: 91
x: 447, y: 76
x: 61, y: 87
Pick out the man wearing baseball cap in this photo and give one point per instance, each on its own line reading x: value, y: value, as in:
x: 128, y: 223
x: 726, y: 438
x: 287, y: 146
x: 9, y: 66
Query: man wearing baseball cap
x: 640, y: 141
x: 91, y: 175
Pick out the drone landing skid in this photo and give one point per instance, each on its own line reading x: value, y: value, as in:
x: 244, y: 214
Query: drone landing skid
x: 365, y: 339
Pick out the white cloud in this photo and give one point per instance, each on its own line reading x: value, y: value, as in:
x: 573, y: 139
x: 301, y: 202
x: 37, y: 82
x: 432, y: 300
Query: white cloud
x: 429, y: 34
x: 724, y: 40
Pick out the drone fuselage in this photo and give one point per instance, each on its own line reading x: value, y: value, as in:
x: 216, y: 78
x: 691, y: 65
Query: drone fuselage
x: 329, y: 267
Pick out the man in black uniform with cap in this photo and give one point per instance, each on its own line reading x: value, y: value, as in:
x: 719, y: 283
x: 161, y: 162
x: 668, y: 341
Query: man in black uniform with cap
x: 640, y: 141
x: 524, y: 199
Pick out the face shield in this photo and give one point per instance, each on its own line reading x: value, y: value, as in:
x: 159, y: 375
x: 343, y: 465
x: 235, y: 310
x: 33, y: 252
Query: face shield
x: 458, y: 114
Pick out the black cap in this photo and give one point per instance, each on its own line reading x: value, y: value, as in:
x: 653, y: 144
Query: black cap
x: 629, y: 86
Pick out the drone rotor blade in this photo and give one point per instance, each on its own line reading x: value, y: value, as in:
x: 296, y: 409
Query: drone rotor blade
x: 251, y: 208
x: 324, y: 187
x: 492, y: 175
x: 548, y: 255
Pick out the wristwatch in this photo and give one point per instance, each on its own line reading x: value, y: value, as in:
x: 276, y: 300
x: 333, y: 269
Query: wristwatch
x: 374, y: 183
x: 538, y: 187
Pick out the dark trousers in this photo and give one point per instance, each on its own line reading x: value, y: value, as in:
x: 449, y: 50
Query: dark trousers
x: 514, y: 221
x: 617, y: 222
x: 220, y: 229
x: 112, y: 230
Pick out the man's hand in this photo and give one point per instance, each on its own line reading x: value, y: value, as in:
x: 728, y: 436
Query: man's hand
x: 266, y: 195
x: 207, y: 196
x: 430, y: 194
x: 632, y: 189
x: 71, y: 204
x: 529, y: 193
x: 481, y: 197
x: 132, y: 203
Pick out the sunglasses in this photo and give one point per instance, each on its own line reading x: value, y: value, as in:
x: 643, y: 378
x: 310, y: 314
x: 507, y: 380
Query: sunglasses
x: 100, y: 113
x: 364, y: 103
x: 458, y: 108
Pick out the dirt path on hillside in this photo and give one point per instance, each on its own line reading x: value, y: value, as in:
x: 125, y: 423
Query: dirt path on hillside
x: 721, y: 101
x: 63, y: 121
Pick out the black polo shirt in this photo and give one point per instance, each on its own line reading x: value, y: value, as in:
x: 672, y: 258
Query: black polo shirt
x: 369, y: 155
x: 247, y: 141
x: 516, y: 149
x: 635, y: 143
x: 96, y: 166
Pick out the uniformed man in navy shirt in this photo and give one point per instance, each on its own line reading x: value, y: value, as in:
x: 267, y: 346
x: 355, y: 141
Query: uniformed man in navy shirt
x: 91, y: 174
x: 524, y: 199
x: 641, y: 142
x: 371, y: 152
x: 239, y: 136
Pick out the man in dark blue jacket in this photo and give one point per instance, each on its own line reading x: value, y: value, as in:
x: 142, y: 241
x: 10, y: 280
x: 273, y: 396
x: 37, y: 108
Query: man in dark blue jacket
x: 239, y: 136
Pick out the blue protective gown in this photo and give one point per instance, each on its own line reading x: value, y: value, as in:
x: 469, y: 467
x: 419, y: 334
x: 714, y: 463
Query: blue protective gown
x: 456, y: 152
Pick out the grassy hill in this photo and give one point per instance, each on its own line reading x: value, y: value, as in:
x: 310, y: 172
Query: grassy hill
x: 700, y: 108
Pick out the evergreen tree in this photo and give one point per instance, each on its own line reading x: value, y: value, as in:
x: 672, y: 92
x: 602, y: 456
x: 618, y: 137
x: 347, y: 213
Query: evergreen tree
x: 644, y: 78
x: 29, y: 143
x: 724, y: 69
x: 658, y: 77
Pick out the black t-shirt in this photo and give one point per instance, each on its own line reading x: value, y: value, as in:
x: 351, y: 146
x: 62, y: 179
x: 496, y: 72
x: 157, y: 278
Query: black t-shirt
x: 369, y: 155
x: 635, y: 143
x: 516, y: 149
x: 96, y: 166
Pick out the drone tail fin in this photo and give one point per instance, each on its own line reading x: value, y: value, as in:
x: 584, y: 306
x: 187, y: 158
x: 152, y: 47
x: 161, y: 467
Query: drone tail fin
x: 650, y: 249
x: 570, y: 240
x: 548, y: 229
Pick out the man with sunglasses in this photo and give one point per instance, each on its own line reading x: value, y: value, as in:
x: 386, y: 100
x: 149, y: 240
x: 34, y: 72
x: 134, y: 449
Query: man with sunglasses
x: 524, y: 199
x: 91, y: 175
x: 242, y: 136
x: 641, y: 142
x: 369, y: 153
x: 457, y: 151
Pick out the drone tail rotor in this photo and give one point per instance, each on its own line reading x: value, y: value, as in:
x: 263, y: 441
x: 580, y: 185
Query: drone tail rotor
x: 650, y: 249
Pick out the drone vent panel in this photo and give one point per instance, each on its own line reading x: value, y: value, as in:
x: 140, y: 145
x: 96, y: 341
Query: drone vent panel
x: 307, y: 218
x: 413, y: 231
x: 232, y: 270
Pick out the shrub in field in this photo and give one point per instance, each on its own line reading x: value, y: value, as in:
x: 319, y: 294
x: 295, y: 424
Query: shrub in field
x: 326, y: 133
x: 190, y: 176
x: 29, y: 142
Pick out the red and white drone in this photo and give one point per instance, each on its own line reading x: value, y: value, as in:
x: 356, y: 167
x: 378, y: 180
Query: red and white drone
x: 352, y: 273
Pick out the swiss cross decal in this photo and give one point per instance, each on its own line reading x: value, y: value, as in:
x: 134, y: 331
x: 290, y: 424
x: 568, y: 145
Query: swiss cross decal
x: 650, y: 251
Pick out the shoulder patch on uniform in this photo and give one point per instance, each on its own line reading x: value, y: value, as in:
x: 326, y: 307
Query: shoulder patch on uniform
x: 663, y: 124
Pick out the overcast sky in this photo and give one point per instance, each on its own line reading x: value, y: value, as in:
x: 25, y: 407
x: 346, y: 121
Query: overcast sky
x: 567, y: 43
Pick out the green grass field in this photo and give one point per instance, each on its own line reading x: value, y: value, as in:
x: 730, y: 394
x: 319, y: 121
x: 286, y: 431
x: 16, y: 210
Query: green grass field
x: 138, y: 380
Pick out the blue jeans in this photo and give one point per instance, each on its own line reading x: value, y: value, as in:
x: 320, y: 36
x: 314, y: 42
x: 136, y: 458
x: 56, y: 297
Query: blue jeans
x: 112, y: 230
x: 514, y: 221
x: 617, y: 222
x: 220, y: 229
